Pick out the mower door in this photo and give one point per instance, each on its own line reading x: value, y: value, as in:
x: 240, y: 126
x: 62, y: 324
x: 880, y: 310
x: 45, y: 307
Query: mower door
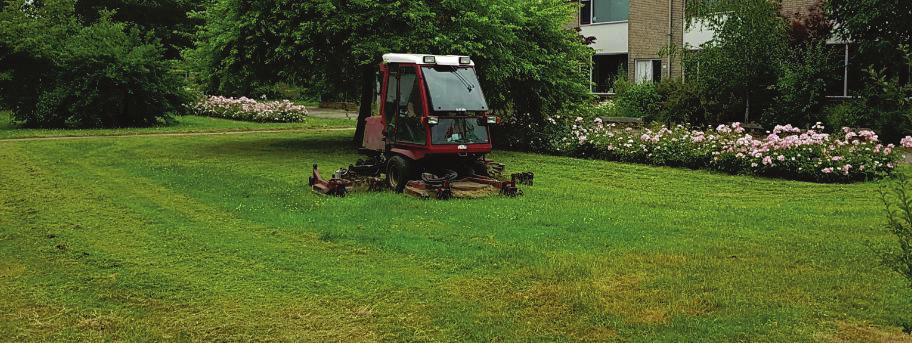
x: 373, y: 134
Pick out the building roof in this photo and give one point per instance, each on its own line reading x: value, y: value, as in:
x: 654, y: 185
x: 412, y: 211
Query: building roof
x: 447, y: 60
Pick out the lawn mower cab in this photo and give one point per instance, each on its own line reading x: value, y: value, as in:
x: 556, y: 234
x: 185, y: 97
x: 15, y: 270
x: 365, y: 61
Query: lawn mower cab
x: 431, y: 135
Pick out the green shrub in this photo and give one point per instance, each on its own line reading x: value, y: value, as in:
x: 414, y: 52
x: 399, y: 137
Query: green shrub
x: 849, y: 113
x: 668, y: 102
x: 801, y: 87
x: 898, y: 206
x: 682, y: 104
x: 61, y: 73
x: 637, y: 100
x: 739, y: 64
x: 597, y: 110
x: 883, y: 105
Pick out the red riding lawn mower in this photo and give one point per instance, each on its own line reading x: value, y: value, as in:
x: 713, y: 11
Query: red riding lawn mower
x: 431, y: 135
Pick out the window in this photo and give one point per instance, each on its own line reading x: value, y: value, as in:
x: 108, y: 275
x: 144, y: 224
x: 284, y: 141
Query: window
x: 462, y: 130
x: 585, y: 12
x: 603, y: 11
x: 849, y: 71
x: 606, y: 69
x: 454, y: 89
x: 392, y: 93
x: 378, y: 88
x: 850, y: 65
x: 408, y: 120
x: 649, y: 71
x: 606, y: 11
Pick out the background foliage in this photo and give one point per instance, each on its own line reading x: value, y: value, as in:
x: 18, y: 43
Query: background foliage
x: 166, y: 20
x: 800, y: 88
x: 528, y: 62
x: 735, y: 67
x: 58, y: 72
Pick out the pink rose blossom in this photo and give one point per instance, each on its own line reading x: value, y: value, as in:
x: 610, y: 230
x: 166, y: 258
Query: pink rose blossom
x: 906, y: 142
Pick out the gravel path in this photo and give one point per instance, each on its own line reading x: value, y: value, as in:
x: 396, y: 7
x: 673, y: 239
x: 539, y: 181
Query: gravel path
x: 332, y: 113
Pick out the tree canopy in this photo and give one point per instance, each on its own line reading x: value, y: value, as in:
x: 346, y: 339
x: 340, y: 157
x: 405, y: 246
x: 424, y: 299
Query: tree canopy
x: 738, y: 64
x: 528, y: 60
x: 167, y: 20
x: 873, y: 20
x: 58, y: 72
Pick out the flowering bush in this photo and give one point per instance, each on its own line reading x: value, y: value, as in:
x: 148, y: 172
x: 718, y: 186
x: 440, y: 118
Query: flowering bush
x: 250, y: 110
x: 786, y: 152
x: 599, y: 109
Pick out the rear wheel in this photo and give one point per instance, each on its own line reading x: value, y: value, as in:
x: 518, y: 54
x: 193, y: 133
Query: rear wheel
x: 398, y: 173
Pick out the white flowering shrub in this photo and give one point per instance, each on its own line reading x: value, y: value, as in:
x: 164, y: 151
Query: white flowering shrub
x: 786, y: 152
x: 246, y: 109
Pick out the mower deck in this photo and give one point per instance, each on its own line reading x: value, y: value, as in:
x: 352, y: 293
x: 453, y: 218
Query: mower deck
x: 472, y: 187
x: 458, y: 189
x: 430, y: 186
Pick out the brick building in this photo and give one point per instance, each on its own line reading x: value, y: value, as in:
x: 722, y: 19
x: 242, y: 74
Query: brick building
x: 633, y: 39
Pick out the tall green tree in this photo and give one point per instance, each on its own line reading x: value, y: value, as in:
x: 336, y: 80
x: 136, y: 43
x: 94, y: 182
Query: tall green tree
x: 804, y: 71
x: 882, y: 29
x: 167, y: 20
x: 528, y: 61
x: 873, y: 20
x: 737, y: 66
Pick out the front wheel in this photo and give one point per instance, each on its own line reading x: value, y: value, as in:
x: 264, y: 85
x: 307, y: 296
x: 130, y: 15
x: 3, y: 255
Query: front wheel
x: 398, y: 173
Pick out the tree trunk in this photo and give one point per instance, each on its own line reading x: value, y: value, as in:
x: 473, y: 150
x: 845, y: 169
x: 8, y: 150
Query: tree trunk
x: 747, y: 109
x: 368, y: 80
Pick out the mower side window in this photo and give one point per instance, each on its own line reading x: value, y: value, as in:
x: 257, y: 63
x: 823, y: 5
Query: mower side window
x: 392, y: 93
x: 408, y: 121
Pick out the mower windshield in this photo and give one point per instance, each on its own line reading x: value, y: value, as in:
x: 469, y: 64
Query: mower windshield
x: 454, y: 89
x: 460, y: 130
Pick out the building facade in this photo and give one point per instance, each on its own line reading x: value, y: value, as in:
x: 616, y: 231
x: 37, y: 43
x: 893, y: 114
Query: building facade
x: 638, y: 39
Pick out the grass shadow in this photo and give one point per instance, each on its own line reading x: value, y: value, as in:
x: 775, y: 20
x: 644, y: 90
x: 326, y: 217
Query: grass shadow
x: 321, y: 145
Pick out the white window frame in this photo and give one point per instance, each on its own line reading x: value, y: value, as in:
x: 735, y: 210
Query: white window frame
x: 845, y: 73
x: 650, y: 62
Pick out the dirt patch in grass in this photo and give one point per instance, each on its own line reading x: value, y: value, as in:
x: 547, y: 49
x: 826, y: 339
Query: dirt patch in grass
x: 10, y: 270
x: 627, y: 296
x: 352, y: 324
x: 865, y: 332
x: 99, y: 323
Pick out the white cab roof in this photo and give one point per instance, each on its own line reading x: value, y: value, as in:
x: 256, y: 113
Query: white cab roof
x: 446, y: 60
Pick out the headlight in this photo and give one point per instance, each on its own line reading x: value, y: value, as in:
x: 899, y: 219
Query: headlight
x: 432, y: 120
x: 491, y: 119
x: 430, y: 60
x: 465, y: 60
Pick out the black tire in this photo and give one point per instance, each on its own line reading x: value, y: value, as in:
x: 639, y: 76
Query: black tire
x: 399, y: 171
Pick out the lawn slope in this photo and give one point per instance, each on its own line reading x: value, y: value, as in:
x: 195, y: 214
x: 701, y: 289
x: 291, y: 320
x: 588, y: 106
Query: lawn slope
x: 218, y: 238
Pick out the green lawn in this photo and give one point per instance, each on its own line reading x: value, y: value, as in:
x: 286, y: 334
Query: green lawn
x: 183, y: 124
x: 219, y: 238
